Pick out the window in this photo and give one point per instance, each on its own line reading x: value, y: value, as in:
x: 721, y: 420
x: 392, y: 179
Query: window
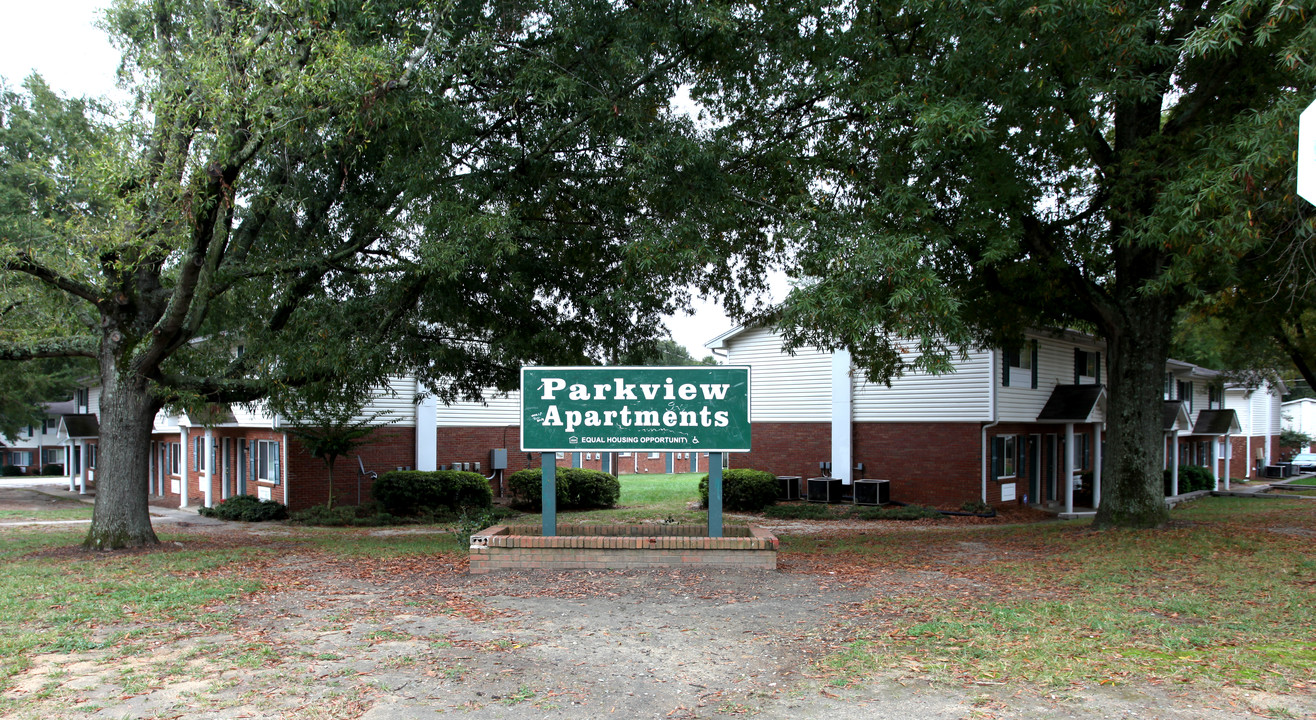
x: 1168, y: 390
x: 52, y: 456
x: 199, y: 454
x: 267, y: 461
x: 654, y: 455
x: 1184, y: 391
x: 1021, y: 366
x: 174, y: 450
x: 1005, y: 455
x: 1083, y: 453
x: 1214, y: 397
x: 1087, y: 364
x: 52, y: 425
x: 91, y: 456
x: 20, y: 457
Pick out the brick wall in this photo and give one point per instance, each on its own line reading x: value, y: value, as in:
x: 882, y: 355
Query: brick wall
x: 787, y: 448
x: 927, y: 463
x: 307, y: 478
x: 622, y: 547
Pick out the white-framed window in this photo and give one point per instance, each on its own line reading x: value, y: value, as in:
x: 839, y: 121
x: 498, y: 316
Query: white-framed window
x: 174, y: 450
x: 20, y: 457
x: 1005, y: 455
x: 1083, y: 453
x: 91, y: 456
x: 654, y: 455
x: 1214, y: 397
x: 267, y: 461
x: 623, y: 454
x: 1087, y: 364
x: 52, y: 425
x: 199, y: 453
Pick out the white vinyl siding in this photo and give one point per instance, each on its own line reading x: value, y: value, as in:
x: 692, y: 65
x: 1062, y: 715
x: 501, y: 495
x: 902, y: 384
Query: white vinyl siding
x: 960, y: 396
x: 495, y: 411
x: 1055, y: 366
x: 395, y: 403
x: 785, y: 388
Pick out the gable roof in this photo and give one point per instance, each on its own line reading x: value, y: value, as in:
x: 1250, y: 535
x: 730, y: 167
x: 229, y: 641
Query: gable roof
x: 1174, y: 416
x: 79, y: 427
x: 1217, y: 422
x: 1072, y: 403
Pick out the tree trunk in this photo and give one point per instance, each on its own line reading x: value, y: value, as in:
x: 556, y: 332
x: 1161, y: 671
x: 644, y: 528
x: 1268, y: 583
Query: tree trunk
x: 1133, y: 492
x: 121, y: 517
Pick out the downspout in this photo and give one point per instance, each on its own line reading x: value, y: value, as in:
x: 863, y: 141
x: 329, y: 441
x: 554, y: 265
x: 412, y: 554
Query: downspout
x: 994, y: 420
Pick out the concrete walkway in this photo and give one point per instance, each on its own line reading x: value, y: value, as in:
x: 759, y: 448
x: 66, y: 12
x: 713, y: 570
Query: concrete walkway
x: 58, y: 487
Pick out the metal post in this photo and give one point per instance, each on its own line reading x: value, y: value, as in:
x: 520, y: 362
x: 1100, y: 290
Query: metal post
x: 715, y: 494
x: 548, y: 492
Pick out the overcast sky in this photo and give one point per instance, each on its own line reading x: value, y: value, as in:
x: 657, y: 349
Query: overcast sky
x: 59, y: 40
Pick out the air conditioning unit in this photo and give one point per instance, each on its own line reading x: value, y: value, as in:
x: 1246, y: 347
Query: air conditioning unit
x: 824, y: 490
x: 788, y: 487
x: 868, y: 491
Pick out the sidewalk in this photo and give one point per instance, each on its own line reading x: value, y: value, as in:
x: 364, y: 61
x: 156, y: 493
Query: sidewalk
x: 58, y: 487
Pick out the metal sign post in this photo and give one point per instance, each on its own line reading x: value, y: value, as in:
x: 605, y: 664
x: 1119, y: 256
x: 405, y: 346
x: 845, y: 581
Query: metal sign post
x: 715, y: 494
x: 548, y: 491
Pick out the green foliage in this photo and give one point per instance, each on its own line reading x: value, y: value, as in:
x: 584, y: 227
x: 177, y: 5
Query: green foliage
x: 899, y: 512
x: 336, y: 194
x: 344, y: 515
x: 246, y: 508
x: 329, y: 423
x: 799, y: 511
x: 980, y: 507
x: 743, y: 490
x: 1191, y: 479
x: 663, y: 352
x: 961, y: 172
x: 414, y: 492
x: 52, y: 469
x: 1291, y: 438
x: 470, y: 523
x: 578, y: 488
x: 10, y: 471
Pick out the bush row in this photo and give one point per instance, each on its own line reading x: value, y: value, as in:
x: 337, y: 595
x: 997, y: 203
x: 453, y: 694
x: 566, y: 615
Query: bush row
x: 246, y: 508
x: 743, y: 490
x: 1191, y: 479
x: 575, y: 488
x: 414, y: 492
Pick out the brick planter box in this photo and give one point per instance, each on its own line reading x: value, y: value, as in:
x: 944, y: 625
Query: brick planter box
x: 621, y: 547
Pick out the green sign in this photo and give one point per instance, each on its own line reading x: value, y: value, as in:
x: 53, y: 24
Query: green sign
x: 702, y: 408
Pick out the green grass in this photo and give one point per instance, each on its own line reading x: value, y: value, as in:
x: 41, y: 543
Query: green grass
x: 79, y: 511
x: 1218, y: 598
x: 643, y: 498
x: 91, y: 602
x: 1304, y: 481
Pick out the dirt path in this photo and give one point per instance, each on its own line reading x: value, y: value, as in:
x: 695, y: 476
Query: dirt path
x: 418, y: 638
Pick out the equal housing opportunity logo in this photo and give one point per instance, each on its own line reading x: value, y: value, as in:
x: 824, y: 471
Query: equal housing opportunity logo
x: 623, y: 409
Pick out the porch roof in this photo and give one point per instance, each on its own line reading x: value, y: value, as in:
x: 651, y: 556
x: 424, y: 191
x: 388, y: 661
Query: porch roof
x: 79, y: 427
x: 1175, y: 416
x: 1072, y: 403
x: 1217, y: 422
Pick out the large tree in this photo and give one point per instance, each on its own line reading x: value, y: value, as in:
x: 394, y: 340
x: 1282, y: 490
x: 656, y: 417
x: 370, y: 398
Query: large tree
x: 320, y: 193
x: 979, y: 167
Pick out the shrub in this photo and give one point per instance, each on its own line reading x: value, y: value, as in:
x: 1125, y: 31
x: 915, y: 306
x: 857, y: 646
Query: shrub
x: 743, y: 490
x: 52, y: 469
x: 810, y: 511
x: 413, y: 492
x: 246, y: 508
x: 340, y: 515
x: 1191, y: 479
x: 575, y: 488
x: 899, y: 512
x: 10, y: 471
x: 977, y: 507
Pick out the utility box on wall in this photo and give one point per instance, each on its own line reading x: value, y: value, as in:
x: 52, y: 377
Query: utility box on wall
x: 498, y: 459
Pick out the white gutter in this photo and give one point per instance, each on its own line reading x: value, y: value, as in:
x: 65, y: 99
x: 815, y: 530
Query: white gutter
x: 994, y: 421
